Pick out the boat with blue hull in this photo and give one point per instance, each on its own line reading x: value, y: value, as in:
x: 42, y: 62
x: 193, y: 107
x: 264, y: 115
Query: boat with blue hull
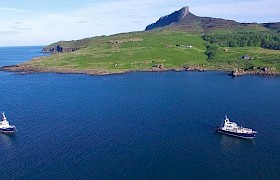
x: 232, y: 129
x: 5, y: 127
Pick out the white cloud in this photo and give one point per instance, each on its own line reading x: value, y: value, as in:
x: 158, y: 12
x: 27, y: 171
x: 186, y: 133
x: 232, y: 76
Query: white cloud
x: 12, y: 10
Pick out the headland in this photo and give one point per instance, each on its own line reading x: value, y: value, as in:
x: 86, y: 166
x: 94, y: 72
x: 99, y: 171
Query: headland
x: 179, y: 41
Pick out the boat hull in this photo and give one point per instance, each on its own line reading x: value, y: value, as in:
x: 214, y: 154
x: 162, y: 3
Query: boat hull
x: 8, y: 130
x: 241, y: 135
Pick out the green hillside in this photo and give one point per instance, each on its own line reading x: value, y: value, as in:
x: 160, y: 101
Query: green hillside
x: 133, y: 51
x: 149, y: 50
x: 180, y: 41
x: 233, y: 57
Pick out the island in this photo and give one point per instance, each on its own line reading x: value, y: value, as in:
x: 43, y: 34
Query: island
x: 179, y: 41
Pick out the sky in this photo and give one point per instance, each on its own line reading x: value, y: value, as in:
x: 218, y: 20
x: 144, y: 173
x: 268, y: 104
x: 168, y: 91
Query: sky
x: 33, y: 22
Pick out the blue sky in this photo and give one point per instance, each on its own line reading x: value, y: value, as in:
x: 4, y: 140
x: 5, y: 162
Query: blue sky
x: 32, y: 22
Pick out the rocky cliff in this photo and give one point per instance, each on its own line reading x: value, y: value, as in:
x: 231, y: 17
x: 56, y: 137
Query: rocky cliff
x: 66, y: 46
x: 175, y: 17
x: 185, y: 20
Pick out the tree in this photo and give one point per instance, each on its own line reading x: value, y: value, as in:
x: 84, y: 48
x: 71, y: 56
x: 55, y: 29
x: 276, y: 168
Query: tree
x: 211, y: 50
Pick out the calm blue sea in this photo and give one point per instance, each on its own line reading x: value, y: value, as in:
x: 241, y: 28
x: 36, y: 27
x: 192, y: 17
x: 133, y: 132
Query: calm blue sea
x: 136, y: 125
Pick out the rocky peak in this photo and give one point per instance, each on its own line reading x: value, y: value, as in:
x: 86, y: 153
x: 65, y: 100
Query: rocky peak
x: 184, y: 12
x: 171, y: 18
x: 183, y: 19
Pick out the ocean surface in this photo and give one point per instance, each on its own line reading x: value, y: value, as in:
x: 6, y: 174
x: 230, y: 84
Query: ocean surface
x: 136, y: 125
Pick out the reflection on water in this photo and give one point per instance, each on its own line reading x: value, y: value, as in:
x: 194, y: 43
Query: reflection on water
x: 7, y: 140
x: 230, y: 142
x: 8, y: 149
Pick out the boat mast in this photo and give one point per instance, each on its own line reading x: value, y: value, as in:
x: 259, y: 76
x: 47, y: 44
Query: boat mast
x: 4, y: 117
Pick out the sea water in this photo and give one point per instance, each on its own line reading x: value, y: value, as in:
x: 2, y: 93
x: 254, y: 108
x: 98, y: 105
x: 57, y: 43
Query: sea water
x: 137, y: 125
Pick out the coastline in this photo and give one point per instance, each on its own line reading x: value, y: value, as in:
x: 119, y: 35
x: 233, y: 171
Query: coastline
x: 29, y: 69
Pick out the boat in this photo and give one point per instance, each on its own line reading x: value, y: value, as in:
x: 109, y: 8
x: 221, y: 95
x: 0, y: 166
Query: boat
x: 5, y: 127
x: 232, y: 129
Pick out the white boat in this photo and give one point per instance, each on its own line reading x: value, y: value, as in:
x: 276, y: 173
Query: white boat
x: 5, y: 127
x: 232, y: 129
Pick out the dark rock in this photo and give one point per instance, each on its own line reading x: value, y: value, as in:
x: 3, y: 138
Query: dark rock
x: 246, y: 57
x: 157, y: 67
x: 267, y: 70
x: 237, y: 72
x: 59, y: 49
x: 66, y: 46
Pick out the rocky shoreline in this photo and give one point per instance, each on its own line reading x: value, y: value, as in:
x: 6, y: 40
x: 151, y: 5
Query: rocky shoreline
x: 260, y: 71
x: 26, y: 69
x: 30, y: 69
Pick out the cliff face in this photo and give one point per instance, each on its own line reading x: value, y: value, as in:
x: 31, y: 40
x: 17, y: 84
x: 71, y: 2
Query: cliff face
x: 172, y: 18
x: 66, y: 46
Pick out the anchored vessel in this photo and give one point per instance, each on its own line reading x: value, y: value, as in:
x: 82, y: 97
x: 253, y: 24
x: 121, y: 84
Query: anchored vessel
x: 231, y: 128
x: 5, y: 127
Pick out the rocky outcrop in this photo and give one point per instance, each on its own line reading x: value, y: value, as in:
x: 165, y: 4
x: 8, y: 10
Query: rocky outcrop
x: 66, y: 46
x: 185, y: 20
x: 237, y: 72
x: 59, y: 49
x: 158, y: 67
x: 267, y: 71
x: 260, y: 71
x: 195, y: 68
x: 113, y: 42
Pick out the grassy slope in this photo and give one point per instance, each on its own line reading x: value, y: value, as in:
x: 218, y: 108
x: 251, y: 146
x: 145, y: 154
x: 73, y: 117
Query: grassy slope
x: 156, y: 47
x: 261, y: 58
x: 233, y: 57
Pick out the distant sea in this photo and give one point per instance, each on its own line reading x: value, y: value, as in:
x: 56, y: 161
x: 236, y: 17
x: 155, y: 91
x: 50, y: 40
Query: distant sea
x: 138, y: 125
